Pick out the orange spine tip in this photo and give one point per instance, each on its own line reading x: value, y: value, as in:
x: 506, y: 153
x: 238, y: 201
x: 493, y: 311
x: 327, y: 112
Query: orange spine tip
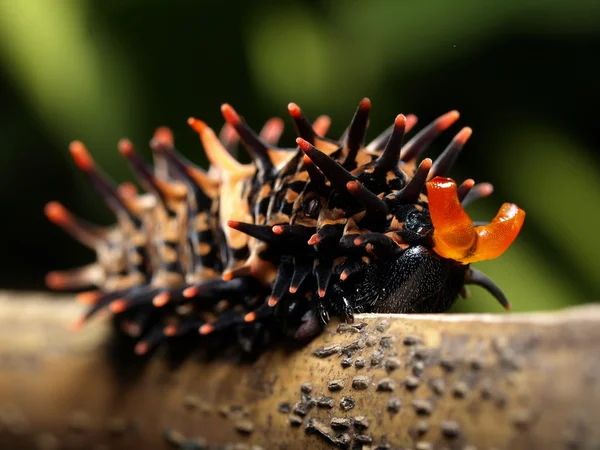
x: 468, y: 183
x: 293, y: 289
x: 400, y: 121
x: 314, y: 239
x: 228, y: 133
x: 250, y: 317
x: 275, y: 122
x: 56, y: 213
x: 486, y: 189
x: 161, y: 299
x: 233, y: 224
x: 126, y: 147
x: 304, y: 145
x: 426, y: 164
x: 205, y: 329
x: 321, y: 125
x: 447, y: 120
x: 321, y: 293
x: 272, y: 130
x: 463, y: 135
x: 358, y: 241
x: 411, y: 121
x: 464, y: 188
x: 230, y: 115
x: 294, y: 110
x: 191, y: 292
x: 127, y: 190
x: 55, y: 280
x: 164, y: 136
x: 88, y: 298
x: 80, y: 155
x: 198, y: 125
x: 227, y: 276
x: 277, y: 229
x: 170, y: 330
x: 352, y: 186
x: 344, y: 275
x: 77, y: 324
x: 365, y: 103
x: 272, y: 301
x: 117, y: 306
x: 141, y: 348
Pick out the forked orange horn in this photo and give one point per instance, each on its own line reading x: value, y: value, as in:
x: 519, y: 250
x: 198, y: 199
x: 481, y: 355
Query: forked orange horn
x: 454, y: 235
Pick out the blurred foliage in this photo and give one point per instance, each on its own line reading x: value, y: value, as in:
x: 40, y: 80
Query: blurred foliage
x: 522, y: 73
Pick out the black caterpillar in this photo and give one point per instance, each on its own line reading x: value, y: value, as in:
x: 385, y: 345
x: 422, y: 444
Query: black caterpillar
x: 329, y: 228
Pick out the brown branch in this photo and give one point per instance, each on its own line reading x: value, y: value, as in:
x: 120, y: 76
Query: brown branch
x: 522, y: 381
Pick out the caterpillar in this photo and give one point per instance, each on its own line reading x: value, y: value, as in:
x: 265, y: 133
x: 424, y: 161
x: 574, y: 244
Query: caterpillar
x: 280, y: 245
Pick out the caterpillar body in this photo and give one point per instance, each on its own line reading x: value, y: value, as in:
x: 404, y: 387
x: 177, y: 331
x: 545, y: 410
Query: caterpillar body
x: 326, y: 228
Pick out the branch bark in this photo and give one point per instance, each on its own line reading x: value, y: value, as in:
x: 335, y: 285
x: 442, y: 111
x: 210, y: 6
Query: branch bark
x: 521, y: 381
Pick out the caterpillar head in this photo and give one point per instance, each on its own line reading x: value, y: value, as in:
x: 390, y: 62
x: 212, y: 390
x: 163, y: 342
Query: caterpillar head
x: 439, y: 241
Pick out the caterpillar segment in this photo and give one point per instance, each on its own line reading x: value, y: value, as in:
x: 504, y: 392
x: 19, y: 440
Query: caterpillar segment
x: 278, y: 246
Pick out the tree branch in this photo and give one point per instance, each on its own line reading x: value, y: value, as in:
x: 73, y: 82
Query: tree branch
x: 521, y: 381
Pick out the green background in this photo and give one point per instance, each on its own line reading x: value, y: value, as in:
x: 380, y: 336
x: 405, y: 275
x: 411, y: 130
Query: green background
x: 523, y: 74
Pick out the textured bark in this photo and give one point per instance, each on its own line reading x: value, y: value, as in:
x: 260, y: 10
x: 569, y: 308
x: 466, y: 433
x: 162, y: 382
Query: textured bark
x: 521, y: 381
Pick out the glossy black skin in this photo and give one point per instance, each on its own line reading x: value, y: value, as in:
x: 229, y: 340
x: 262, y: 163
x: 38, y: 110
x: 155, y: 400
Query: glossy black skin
x: 419, y: 281
x: 416, y: 281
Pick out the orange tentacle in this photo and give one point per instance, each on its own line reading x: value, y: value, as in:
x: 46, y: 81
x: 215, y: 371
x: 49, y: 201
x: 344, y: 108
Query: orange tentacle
x: 493, y: 239
x: 454, y: 235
